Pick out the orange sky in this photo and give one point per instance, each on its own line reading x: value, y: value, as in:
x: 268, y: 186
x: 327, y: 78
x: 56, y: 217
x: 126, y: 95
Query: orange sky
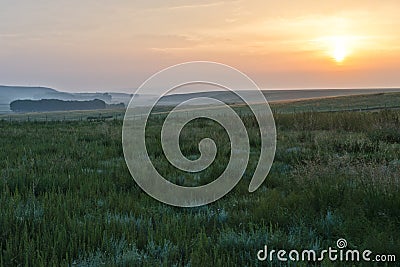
x: 101, y: 45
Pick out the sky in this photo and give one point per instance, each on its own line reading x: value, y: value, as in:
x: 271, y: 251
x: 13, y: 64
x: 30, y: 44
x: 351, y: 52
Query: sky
x: 99, y: 45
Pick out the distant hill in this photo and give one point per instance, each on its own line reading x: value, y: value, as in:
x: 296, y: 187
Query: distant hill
x: 12, y: 93
x: 55, y: 105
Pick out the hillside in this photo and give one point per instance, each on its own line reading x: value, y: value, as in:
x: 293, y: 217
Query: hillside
x: 276, y: 95
x: 12, y: 93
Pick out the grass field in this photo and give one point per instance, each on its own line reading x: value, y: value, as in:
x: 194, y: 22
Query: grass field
x: 347, y: 103
x: 67, y: 197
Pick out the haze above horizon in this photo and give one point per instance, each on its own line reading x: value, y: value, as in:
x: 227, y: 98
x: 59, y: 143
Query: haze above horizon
x: 100, y: 46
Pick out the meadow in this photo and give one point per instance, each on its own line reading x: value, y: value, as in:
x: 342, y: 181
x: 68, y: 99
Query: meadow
x: 68, y: 199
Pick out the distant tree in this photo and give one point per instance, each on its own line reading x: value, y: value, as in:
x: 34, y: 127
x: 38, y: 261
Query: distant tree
x: 107, y: 97
x: 116, y: 106
x: 55, y: 105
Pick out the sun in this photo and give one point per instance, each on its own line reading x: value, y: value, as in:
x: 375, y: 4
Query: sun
x: 336, y: 47
x: 339, y: 49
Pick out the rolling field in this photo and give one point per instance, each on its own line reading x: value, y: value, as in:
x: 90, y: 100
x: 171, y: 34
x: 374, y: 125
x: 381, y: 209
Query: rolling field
x: 390, y: 100
x: 342, y: 103
x: 68, y: 199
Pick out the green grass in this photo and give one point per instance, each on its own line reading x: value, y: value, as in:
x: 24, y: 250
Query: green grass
x: 67, y: 198
x: 77, y: 115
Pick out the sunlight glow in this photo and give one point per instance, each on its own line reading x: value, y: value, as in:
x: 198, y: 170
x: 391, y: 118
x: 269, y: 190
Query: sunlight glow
x: 340, y: 50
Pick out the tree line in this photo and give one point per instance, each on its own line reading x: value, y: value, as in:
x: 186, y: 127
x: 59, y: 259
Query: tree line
x: 55, y: 105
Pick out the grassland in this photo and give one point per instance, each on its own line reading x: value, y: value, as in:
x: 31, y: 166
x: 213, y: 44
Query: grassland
x: 342, y: 103
x: 81, y: 115
x: 67, y: 197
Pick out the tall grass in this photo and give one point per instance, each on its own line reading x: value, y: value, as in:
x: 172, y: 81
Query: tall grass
x: 68, y: 199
